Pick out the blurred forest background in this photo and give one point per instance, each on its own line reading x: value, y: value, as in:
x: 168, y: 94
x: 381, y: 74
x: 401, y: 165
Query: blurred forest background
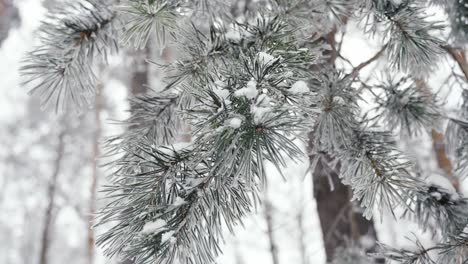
x: 50, y: 169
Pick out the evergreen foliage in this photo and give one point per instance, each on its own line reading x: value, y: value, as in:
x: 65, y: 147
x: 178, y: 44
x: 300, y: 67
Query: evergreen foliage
x: 406, y: 106
x: 250, y: 85
x: 73, y: 38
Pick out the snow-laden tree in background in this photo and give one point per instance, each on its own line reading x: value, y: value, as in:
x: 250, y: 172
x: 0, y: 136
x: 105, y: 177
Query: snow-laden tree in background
x: 252, y: 78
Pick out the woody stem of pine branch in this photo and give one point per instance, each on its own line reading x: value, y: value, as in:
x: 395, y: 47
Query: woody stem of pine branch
x: 437, y: 137
x: 366, y: 63
x: 459, y: 56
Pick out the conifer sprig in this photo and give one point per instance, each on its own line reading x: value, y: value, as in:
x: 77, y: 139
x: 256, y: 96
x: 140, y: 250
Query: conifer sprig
x: 405, y: 27
x: 74, y: 37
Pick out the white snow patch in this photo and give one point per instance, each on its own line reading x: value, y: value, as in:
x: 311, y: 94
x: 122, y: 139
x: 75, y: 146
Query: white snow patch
x: 220, y: 129
x: 404, y: 99
x: 154, y: 227
x: 444, y: 184
x: 263, y: 100
x: 367, y: 242
x: 233, y: 34
x: 167, y: 236
x: 288, y: 74
x: 180, y: 146
x: 173, y: 240
x: 234, y: 122
x: 299, y: 87
x: 179, y: 201
x: 219, y: 89
x: 171, y: 149
x: 327, y: 47
x: 249, y: 91
x: 436, y: 195
x: 465, y: 230
x: 339, y: 99
x: 193, y: 182
x: 259, y: 113
x: 265, y: 58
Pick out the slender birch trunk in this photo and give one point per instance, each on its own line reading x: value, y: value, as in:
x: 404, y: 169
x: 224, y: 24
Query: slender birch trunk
x: 98, y: 107
x: 51, y: 192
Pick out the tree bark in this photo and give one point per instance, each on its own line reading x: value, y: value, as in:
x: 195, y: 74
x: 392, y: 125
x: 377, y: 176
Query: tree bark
x: 98, y: 106
x: 139, y: 82
x: 301, y: 239
x: 139, y: 79
x: 48, y: 216
x: 339, y: 220
x: 268, y: 213
x: 9, y: 17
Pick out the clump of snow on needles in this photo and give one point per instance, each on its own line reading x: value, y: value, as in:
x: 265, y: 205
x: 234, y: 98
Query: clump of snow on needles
x: 299, y: 87
x: 234, y: 122
x: 179, y: 201
x: 265, y: 58
x: 260, y: 113
x: 168, y: 236
x: 154, y: 227
x: 249, y: 91
x: 261, y: 109
x: 233, y: 34
x: 443, y: 184
x: 174, y: 148
x: 219, y: 89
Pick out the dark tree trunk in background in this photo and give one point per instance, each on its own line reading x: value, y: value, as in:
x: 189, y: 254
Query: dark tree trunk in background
x: 98, y: 107
x: 51, y: 192
x: 139, y: 83
x: 9, y: 17
x: 139, y: 79
x: 268, y: 213
x: 338, y: 219
x: 301, y: 236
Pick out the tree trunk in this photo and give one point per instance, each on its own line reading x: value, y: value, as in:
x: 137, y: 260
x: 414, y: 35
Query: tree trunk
x: 98, y: 106
x: 338, y: 219
x: 301, y: 239
x: 268, y: 213
x: 45, y: 239
x: 9, y: 17
x: 139, y: 79
x: 139, y: 82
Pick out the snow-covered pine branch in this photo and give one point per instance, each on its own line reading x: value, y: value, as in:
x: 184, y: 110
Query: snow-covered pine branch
x: 404, y: 25
x: 249, y: 85
x: 74, y: 37
x: 247, y: 102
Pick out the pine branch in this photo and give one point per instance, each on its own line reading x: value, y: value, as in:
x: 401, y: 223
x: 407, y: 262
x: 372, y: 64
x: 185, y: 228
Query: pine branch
x: 355, y: 72
x: 148, y: 19
x: 73, y: 37
x: 407, y: 31
x: 246, y: 102
x: 405, y: 106
x: 249, y: 88
x: 453, y: 251
x: 180, y: 193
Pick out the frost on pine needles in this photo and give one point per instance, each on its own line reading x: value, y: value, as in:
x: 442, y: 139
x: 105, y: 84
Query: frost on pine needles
x: 73, y: 39
x: 249, y: 91
x: 299, y: 87
x: 249, y: 86
x: 153, y: 227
